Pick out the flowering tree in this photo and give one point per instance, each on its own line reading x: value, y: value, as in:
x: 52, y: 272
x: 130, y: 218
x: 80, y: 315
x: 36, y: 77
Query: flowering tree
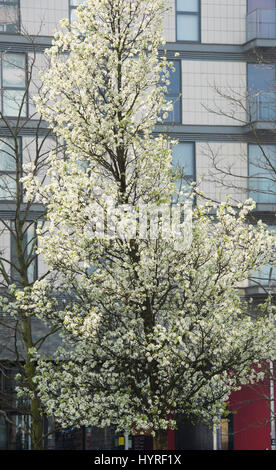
x: 155, y: 326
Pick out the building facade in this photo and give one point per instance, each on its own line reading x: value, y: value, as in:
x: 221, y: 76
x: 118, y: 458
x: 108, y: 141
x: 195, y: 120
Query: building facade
x: 223, y: 116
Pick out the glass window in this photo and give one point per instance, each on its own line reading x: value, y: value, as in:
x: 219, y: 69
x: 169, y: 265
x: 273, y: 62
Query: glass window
x: 7, y: 169
x: 261, y: 19
x: 174, y: 94
x: 188, y: 20
x: 14, y: 70
x: 261, y: 90
x: 9, y: 16
x: 14, y: 85
x: 261, y: 77
x: 183, y: 161
x: 262, y: 173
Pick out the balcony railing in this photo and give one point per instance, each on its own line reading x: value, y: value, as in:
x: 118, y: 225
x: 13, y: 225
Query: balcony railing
x: 261, y: 106
x: 261, y: 24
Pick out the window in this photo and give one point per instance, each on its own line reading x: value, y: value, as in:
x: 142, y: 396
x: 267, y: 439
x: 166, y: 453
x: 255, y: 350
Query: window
x: 173, y: 94
x: 73, y: 5
x: 14, y: 101
x: 261, y: 19
x: 188, y: 20
x: 261, y: 90
x: 9, y: 16
x: 262, y: 173
x: 7, y: 169
x: 183, y: 161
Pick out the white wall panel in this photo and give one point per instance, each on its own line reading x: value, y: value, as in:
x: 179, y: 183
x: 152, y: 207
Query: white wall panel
x: 231, y: 158
x: 169, y: 22
x: 204, y: 85
x: 223, y: 21
x: 41, y: 17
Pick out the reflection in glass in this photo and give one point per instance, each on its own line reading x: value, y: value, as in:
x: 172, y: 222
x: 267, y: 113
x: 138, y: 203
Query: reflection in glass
x: 7, y: 156
x: 9, y: 16
x: 261, y: 172
x: 13, y: 103
x: 173, y: 93
x: 14, y: 70
x: 183, y: 163
x: 7, y: 169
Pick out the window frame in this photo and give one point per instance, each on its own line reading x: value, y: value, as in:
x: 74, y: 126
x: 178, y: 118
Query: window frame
x: 188, y: 13
x: 7, y: 88
x: 16, y: 3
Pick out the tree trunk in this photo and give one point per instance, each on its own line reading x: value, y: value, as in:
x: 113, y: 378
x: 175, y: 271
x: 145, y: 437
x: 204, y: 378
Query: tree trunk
x: 37, y: 426
x: 160, y: 440
x: 35, y: 404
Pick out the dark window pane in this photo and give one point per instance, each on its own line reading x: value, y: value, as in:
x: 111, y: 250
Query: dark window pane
x: 260, y: 77
x: 174, y: 86
x: 175, y: 114
x: 173, y: 94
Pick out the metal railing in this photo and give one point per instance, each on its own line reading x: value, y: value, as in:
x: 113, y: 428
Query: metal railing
x: 261, y: 24
x: 261, y: 106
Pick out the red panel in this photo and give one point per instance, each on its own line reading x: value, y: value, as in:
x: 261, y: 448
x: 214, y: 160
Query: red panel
x: 251, y: 417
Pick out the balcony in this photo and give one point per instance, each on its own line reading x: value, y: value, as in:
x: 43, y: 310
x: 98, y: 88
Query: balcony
x: 261, y: 24
x: 261, y: 107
